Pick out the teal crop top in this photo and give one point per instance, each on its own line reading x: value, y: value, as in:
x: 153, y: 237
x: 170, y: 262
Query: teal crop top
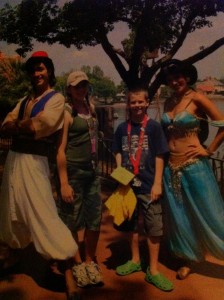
x: 183, y: 119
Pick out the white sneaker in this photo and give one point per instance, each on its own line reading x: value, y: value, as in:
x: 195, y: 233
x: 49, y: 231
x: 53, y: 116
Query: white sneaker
x: 80, y: 274
x: 94, y: 273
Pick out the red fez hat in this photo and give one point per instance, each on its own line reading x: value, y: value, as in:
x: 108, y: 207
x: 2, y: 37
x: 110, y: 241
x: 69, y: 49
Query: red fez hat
x: 39, y: 54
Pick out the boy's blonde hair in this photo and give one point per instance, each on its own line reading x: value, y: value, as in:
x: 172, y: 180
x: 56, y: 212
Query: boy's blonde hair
x: 137, y: 90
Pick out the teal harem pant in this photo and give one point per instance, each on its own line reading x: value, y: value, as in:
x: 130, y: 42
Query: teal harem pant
x: 195, y: 211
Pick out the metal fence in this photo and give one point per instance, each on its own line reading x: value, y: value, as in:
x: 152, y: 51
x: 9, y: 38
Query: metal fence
x: 107, y: 163
x: 218, y: 168
x: 107, y: 160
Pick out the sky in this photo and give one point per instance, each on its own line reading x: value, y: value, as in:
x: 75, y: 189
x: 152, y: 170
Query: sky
x: 68, y: 59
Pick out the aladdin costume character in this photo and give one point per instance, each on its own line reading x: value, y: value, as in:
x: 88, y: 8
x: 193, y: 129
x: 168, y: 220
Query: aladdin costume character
x: 27, y: 208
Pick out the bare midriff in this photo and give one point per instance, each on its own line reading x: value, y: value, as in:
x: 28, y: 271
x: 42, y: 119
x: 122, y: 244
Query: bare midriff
x: 179, y: 146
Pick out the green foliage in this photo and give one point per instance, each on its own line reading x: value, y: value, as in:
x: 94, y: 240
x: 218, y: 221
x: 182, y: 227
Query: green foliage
x: 14, y: 83
x: 122, y: 87
x: 101, y: 86
x: 61, y: 84
x: 153, y: 25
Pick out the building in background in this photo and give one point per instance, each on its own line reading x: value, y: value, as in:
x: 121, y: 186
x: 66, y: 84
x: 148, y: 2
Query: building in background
x: 211, y: 86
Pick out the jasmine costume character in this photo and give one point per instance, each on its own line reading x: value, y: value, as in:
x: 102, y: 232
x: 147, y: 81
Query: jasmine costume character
x: 194, y: 205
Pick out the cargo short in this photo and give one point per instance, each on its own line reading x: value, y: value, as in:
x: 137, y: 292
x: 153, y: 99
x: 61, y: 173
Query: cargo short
x: 86, y: 211
x: 152, y: 217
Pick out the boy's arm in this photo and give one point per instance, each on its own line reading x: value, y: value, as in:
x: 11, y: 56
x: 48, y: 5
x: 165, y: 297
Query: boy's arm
x: 156, y: 190
x: 118, y: 159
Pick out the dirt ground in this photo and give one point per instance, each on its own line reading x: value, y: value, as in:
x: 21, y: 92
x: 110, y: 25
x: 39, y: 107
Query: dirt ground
x: 33, y: 279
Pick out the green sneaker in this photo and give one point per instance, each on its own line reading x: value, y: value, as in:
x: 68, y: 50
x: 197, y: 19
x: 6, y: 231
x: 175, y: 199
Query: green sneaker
x: 160, y: 281
x: 128, y: 268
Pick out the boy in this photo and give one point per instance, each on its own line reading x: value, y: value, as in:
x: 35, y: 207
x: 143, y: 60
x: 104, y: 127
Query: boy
x: 139, y: 146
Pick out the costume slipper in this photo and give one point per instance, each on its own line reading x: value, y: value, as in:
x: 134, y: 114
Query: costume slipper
x: 160, y: 281
x: 128, y: 268
x: 183, y: 272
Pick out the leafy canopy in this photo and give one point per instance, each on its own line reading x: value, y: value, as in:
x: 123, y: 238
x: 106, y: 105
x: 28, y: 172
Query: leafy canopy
x: 14, y: 83
x: 158, y: 29
x: 101, y: 86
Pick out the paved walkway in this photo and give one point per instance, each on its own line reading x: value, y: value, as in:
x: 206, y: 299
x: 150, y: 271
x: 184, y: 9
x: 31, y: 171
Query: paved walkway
x: 206, y: 283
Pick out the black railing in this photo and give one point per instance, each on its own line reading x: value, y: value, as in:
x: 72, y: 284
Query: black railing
x: 218, y: 168
x: 107, y: 160
x: 107, y: 163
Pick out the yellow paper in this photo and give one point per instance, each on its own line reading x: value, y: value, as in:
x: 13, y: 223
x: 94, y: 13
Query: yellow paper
x: 122, y: 175
x: 129, y: 201
x: 121, y: 204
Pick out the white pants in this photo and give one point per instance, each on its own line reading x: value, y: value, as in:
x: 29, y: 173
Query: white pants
x: 27, y: 208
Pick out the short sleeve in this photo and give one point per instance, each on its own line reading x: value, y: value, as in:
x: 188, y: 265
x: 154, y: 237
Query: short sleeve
x: 158, y: 139
x: 117, y: 140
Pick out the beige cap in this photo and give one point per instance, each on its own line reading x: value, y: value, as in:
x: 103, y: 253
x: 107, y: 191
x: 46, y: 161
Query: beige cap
x: 76, y: 77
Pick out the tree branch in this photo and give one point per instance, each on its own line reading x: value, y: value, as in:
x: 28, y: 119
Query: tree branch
x: 191, y: 60
x: 180, y: 40
x: 205, y: 52
x: 108, y: 48
x: 138, y: 46
x: 120, y: 52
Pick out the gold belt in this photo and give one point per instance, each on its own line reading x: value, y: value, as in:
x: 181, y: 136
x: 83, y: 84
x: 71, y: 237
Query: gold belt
x: 177, y: 162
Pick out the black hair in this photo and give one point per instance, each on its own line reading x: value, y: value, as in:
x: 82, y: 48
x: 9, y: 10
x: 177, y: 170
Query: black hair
x: 174, y: 67
x: 31, y: 62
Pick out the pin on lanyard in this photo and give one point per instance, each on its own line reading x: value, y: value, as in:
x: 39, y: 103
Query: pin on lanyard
x: 136, y: 161
x: 92, y: 133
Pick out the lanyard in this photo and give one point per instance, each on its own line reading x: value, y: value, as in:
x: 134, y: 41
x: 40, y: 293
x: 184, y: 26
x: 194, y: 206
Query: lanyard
x: 136, y: 161
x: 92, y: 133
x: 92, y: 126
